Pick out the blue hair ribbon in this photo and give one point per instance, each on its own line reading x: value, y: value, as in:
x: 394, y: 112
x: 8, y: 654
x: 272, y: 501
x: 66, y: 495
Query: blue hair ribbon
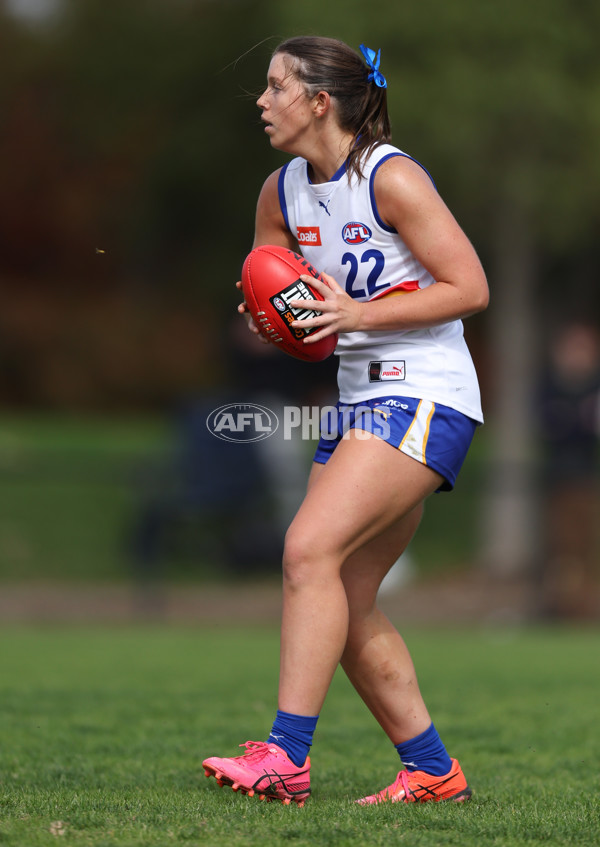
x: 373, y: 60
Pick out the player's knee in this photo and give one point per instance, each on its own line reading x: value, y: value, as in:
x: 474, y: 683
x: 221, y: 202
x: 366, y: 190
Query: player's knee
x: 303, y: 560
x: 297, y: 560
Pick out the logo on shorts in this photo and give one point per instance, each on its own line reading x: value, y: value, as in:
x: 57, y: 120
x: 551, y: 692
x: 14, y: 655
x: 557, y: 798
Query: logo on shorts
x: 395, y: 404
x: 387, y: 371
x: 356, y: 233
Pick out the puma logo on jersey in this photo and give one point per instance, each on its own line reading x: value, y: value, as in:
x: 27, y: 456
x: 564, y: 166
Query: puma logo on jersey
x: 387, y: 371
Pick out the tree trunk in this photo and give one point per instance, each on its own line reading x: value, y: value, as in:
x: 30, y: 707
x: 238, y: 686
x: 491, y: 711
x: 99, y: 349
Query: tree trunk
x: 510, y: 535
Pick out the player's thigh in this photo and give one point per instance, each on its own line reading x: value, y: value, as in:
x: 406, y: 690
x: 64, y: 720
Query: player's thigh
x: 364, y: 570
x: 365, y: 488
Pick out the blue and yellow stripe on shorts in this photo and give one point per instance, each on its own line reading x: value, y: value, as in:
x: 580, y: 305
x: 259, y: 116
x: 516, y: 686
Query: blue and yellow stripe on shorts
x: 431, y: 433
x: 416, y: 437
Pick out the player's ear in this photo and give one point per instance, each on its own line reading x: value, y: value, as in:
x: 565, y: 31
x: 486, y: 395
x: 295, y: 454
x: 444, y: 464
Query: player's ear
x: 321, y: 103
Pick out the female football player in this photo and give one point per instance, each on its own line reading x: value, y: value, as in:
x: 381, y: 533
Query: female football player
x: 399, y: 276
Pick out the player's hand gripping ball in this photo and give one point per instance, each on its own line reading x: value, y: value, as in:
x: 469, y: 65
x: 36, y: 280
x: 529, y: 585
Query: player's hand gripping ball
x: 270, y: 281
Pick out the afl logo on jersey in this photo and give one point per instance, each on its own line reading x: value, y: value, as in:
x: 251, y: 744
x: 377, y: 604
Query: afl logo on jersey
x: 356, y: 233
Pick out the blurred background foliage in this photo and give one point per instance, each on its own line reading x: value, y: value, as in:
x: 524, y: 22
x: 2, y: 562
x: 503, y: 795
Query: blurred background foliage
x: 131, y: 156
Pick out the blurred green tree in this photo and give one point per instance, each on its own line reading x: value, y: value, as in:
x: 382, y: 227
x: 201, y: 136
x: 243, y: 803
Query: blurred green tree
x: 145, y: 100
x: 125, y: 128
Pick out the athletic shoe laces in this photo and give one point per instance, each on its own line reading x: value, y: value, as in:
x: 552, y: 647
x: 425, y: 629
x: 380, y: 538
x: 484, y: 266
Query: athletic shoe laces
x: 390, y: 792
x: 255, y: 751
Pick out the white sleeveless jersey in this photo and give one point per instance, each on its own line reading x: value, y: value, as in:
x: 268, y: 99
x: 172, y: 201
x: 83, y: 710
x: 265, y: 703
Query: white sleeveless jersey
x: 339, y: 231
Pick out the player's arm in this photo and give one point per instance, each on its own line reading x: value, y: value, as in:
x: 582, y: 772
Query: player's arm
x: 408, y: 201
x: 269, y: 228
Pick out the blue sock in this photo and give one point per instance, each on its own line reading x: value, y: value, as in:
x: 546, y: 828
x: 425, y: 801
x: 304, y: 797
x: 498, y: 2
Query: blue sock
x: 294, y: 734
x: 426, y: 753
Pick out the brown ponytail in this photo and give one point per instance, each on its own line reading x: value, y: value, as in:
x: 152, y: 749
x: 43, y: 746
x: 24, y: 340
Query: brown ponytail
x: 326, y: 64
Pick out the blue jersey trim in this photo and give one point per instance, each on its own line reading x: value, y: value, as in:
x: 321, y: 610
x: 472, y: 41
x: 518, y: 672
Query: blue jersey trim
x: 376, y: 214
x: 281, y: 192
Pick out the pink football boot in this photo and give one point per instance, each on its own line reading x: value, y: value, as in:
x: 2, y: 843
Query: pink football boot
x: 265, y: 770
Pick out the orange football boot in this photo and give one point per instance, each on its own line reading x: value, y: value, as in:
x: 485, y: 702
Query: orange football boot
x: 419, y: 787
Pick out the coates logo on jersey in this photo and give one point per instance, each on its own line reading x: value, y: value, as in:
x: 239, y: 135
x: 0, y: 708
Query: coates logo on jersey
x: 309, y: 235
x: 356, y: 233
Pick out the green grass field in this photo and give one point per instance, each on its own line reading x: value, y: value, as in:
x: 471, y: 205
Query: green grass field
x: 103, y: 733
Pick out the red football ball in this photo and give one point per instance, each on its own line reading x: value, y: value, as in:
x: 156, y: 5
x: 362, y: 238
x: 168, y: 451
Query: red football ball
x: 270, y: 280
